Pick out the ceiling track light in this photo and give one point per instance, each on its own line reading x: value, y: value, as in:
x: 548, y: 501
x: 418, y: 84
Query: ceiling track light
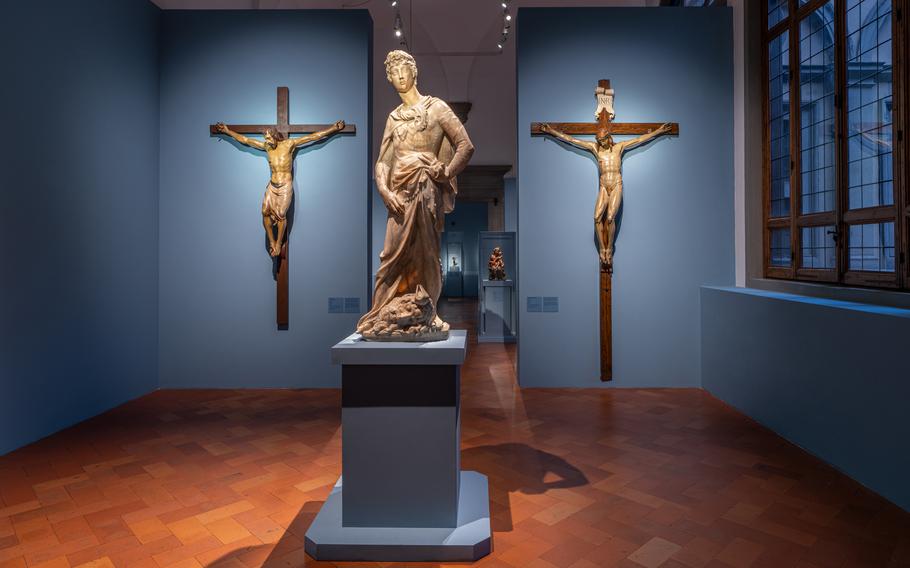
x: 506, y: 23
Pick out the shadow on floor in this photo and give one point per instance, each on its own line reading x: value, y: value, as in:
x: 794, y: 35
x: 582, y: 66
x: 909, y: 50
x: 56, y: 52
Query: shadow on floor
x: 286, y: 552
x: 530, y: 471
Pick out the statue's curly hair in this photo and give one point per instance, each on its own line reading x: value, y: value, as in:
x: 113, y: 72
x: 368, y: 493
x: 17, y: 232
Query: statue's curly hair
x: 397, y: 57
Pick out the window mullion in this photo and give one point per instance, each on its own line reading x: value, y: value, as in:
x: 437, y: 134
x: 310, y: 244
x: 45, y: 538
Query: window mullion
x: 902, y: 148
x: 795, y: 128
x: 766, y: 137
x: 841, y: 151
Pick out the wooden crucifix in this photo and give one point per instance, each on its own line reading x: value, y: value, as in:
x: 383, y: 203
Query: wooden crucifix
x: 280, y: 189
x: 609, y: 164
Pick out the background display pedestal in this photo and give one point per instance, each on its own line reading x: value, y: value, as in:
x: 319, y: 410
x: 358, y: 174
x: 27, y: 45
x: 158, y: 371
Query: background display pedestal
x: 497, y: 319
x: 402, y: 496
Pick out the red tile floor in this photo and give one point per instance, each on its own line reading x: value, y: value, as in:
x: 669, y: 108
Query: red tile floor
x: 579, y: 478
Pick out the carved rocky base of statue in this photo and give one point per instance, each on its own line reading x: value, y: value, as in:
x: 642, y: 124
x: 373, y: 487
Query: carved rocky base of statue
x: 411, y: 317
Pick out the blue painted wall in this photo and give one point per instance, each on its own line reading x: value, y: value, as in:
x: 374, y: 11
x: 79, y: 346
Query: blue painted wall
x: 79, y: 241
x: 217, y: 295
x: 829, y: 376
x: 676, y: 230
x: 511, y: 204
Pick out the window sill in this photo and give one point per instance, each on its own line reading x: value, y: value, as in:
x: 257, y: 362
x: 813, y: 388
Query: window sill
x: 843, y: 296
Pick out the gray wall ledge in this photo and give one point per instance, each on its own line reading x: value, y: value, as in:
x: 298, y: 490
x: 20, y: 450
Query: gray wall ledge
x: 813, y: 300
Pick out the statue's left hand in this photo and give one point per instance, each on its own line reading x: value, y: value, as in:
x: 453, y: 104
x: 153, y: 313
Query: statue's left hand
x: 438, y: 172
x: 339, y: 126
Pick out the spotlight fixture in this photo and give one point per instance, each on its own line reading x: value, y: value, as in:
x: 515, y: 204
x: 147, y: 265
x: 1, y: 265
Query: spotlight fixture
x: 506, y: 23
x: 397, y: 27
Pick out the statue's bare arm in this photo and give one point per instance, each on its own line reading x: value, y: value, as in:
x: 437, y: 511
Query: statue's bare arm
x: 645, y: 138
x: 455, y: 131
x: 577, y: 142
x: 337, y: 127
x: 251, y: 142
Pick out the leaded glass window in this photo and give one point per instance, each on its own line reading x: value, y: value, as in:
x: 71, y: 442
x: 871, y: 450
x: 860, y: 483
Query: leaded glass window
x: 835, y: 206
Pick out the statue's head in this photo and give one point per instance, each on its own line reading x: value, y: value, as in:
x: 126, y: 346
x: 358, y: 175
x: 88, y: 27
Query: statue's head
x: 272, y: 136
x: 401, y: 70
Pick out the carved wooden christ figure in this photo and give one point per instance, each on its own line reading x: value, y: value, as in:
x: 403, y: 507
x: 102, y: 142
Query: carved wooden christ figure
x: 278, y: 196
x: 609, y: 197
x: 280, y: 189
x: 423, y: 148
x: 609, y: 166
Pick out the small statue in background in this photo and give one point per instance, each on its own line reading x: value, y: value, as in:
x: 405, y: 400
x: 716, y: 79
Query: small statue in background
x: 496, y: 266
x: 454, y: 267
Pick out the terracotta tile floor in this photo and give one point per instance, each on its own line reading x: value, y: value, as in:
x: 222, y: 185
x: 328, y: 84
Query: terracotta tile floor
x: 581, y: 478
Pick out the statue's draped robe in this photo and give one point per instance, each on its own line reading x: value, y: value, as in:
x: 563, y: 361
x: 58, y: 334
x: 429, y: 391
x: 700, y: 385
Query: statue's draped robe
x: 410, y: 256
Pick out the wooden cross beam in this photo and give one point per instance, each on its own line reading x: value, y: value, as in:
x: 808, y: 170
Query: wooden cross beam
x: 282, y: 126
x: 605, y: 125
x: 604, y: 122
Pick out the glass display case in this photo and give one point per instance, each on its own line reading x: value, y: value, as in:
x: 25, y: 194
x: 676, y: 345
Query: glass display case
x: 497, y: 261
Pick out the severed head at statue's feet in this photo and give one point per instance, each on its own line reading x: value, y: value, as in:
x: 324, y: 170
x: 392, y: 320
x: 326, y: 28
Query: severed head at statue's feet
x: 409, y: 317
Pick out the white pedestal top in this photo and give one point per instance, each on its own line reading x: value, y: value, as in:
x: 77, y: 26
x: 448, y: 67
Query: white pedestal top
x: 353, y: 350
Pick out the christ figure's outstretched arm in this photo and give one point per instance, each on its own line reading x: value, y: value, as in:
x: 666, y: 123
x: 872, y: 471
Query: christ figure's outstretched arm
x: 577, y: 142
x: 251, y: 142
x: 645, y: 138
x: 337, y: 127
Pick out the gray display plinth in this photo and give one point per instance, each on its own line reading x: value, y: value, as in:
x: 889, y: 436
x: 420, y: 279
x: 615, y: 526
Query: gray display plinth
x: 497, y: 321
x: 403, y: 496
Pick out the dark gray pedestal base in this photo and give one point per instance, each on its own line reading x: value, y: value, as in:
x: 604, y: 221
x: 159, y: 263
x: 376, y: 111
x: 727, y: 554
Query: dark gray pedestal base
x: 471, y: 539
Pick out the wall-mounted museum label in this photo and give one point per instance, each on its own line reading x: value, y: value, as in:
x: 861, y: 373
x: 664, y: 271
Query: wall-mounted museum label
x: 341, y: 305
x: 336, y: 305
x: 535, y: 304
x: 352, y: 305
x: 551, y: 304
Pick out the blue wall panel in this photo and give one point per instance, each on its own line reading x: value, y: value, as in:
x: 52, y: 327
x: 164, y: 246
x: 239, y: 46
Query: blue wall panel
x: 676, y: 230
x: 217, y: 295
x: 469, y: 219
x: 829, y: 376
x: 79, y: 242
x: 511, y: 204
